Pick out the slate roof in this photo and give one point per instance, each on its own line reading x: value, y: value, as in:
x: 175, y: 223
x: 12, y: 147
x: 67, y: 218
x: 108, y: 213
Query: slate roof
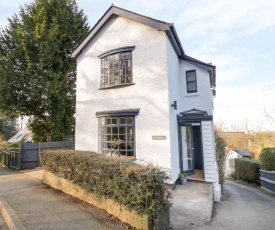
x: 23, y: 133
x: 242, y: 152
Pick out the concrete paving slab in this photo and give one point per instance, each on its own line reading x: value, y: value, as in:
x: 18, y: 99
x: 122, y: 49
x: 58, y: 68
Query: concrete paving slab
x: 192, y: 205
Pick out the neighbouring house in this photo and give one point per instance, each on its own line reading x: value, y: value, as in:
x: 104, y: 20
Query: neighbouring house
x: 232, y: 155
x: 25, y: 134
x: 140, y: 96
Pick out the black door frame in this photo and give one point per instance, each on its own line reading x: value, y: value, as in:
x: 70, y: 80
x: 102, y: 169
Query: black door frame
x: 191, y: 171
x: 192, y: 116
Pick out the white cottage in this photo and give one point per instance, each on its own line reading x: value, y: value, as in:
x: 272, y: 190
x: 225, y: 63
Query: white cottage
x: 140, y: 96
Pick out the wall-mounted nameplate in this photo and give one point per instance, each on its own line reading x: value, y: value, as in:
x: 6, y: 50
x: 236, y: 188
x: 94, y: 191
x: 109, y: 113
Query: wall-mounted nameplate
x: 159, y: 137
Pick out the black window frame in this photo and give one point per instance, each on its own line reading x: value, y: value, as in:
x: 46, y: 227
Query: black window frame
x: 117, y: 136
x: 116, y: 70
x: 191, y: 81
x: 118, y: 114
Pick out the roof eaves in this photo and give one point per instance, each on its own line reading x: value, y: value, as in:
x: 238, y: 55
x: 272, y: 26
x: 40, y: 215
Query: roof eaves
x: 157, y: 24
x: 205, y: 66
x: 92, y: 32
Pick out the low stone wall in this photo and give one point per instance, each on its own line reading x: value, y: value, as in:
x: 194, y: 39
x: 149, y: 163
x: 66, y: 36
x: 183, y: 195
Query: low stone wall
x: 138, y: 221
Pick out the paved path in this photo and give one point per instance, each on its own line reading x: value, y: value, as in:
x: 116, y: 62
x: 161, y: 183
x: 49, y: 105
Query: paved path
x: 39, y: 207
x: 243, y: 208
x: 192, y: 205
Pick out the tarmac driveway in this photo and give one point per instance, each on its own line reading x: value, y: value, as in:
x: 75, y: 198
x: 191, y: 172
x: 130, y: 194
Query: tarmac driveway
x: 242, y: 208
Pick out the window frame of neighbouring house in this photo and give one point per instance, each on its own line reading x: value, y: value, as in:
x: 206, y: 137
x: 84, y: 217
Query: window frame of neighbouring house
x: 192, y: 81
x: 117, y: 133
x: 116, y: 67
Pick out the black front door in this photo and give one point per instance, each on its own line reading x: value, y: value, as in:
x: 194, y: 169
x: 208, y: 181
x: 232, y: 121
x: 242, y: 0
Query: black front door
x: 197, y: 147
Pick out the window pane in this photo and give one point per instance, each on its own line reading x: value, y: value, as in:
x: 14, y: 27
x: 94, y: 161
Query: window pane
x: 122, y: 137
x: 130, y: 146
x: 129, y: 120
x: 128, y: 79
x: 128, y: 64
x: 115, y: 130
x: 128, y: 71
x: 114, y: 121
x: 122, y: 79
x: 109, y: 121
x: 123, y: 64
x: 192, y: 86
x: 130, y: 130
x: 122, y: 120
x: 191, y: 76
x: 130, y: 137
x: 101, y: 121
x: 109, y: 130
x: 103, y: 131
x: 116, y: 57
x: 112, y: 80
x: 122, y: 146
x: 130, y: 153
x: 126, y: 55
x: 116, y: 65
x: 116, y: 80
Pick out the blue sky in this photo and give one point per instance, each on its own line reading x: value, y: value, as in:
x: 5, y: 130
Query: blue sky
x: 236, y: 36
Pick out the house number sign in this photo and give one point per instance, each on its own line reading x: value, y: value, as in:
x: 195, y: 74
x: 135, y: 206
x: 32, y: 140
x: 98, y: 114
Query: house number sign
x: 159, y: 137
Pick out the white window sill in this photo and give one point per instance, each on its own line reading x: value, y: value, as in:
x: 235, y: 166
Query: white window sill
x: 191, y: 94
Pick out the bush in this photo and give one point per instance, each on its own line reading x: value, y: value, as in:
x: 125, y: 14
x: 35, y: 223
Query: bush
x: 247, y: 170
x: 220, y: 157
x: 139, y: 188
x: 267, y: 158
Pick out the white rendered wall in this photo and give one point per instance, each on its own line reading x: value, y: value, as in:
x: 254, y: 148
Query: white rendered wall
x: 149, y: 94
x: 201, y: 100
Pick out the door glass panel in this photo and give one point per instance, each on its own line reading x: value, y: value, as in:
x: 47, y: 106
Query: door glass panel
x: 187, y: 155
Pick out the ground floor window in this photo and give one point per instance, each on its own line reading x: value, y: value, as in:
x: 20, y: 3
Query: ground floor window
x: 117, y: 136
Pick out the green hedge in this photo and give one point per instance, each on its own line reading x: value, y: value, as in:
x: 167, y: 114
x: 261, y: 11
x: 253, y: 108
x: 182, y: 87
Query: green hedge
x: 247, y: 170
x: 267, y: 158
x: 139, y: 188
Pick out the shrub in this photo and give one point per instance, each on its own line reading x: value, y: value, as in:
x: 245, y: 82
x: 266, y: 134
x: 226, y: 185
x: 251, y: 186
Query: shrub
x: 139, y: 188
x: 267, y: 158
x: 220, y: 157
x: 247, y: 170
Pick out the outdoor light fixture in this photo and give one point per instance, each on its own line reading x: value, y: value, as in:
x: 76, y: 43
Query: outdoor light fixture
x: 174, y: 105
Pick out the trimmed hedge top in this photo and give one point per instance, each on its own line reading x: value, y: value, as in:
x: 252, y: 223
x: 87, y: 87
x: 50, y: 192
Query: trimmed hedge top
x: 267, y: 158
x: 139, y: 188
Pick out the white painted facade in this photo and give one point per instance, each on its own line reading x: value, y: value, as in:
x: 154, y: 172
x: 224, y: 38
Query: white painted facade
x: 159, y: 78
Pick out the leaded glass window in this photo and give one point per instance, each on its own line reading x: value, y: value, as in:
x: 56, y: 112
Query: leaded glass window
x: 116, y: 69
x: 191, y: 81
x: 117, y: 136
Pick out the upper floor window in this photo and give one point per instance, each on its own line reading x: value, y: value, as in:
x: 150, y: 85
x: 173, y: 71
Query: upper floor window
x: 191, y: 81
x: 116, y: 67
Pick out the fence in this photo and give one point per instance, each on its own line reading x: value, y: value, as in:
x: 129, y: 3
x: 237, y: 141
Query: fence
x: 28, y: 156
x: 11, y: 157
x: 268, y: 180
